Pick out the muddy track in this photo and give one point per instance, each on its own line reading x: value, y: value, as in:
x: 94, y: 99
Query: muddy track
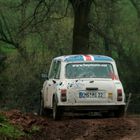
x: 77, y: 127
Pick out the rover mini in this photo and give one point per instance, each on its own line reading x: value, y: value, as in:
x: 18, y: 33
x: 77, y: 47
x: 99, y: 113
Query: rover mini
x: 82, y: 83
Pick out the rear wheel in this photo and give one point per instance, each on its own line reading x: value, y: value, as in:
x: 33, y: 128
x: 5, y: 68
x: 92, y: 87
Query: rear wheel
x: 41, y: 109
x: 57, y: 113
x: 44, y: 111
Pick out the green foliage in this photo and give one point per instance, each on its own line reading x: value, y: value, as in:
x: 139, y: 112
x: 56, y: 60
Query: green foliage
x: 2, y: 118
x: 6, y: 49
x: 34, y: 129
x: 22, y: 80
x: 7, y: 130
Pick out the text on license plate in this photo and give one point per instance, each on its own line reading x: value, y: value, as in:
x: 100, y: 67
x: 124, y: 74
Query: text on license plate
x: 97, y: 94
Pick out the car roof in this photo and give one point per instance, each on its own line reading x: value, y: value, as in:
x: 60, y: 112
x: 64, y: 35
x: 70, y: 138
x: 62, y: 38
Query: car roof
x: 81, y: 58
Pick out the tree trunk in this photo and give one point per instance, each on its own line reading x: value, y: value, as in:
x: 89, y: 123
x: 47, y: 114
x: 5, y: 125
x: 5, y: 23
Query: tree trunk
x: 81, y: 30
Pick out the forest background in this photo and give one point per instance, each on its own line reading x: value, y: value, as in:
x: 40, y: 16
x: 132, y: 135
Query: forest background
x: 32, y: 32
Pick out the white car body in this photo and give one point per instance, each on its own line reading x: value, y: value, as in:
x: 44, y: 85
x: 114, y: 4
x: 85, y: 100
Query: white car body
x: 81, y: 92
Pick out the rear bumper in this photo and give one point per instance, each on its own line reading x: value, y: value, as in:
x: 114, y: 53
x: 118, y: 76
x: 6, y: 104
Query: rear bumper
x: 92, y: 108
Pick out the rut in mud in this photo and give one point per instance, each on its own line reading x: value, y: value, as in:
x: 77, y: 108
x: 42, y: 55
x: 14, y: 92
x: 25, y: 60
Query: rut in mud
x: 75, y: 128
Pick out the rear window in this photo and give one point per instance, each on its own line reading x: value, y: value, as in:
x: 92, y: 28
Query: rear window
x: 89, y: 70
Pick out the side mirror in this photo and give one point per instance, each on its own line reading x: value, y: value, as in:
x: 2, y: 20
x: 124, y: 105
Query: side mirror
x: 44, y: 76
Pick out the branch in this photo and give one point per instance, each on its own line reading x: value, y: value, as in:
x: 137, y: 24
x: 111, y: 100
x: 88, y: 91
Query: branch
x: 99, y: 31
x: 22, y: 3
x: 64, y: 15
x: 29, y: 21
x: 9, y: 42
x: 6, y: 36
x: 6, y: 27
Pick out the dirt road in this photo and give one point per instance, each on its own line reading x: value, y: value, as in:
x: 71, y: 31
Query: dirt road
x: 77, y: 127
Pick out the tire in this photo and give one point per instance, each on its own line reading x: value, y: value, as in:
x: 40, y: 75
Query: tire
x: 120, y: 112
x: 44, y: 111
x: 57, y: 113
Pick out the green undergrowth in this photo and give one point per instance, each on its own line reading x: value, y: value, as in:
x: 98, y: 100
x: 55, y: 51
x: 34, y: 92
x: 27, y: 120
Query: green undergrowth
x: 8, y: 131
x: 7, y: 49
x: 34, y: 129
x: 12, y: 132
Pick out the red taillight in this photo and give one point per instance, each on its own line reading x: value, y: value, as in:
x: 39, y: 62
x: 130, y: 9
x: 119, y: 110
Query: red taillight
x: 63, y: 95
x: 119, y: 91
x: 119, y: 94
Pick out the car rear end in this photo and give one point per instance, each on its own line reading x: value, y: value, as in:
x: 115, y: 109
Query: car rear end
x: 92, y: 86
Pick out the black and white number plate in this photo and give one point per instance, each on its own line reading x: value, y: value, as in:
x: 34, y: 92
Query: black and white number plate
x: 92, y: 94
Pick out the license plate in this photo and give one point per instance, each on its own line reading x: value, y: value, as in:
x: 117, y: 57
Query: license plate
x: 91, y: 94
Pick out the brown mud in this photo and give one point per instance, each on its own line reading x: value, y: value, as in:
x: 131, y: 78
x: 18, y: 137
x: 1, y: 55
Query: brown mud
x: 76, y: 127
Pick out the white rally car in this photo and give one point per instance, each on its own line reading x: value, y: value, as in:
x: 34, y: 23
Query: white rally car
x: 82, y: 83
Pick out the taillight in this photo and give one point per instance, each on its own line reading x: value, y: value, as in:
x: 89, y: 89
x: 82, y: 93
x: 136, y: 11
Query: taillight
x: 63, y: 95
x: 119, y: 94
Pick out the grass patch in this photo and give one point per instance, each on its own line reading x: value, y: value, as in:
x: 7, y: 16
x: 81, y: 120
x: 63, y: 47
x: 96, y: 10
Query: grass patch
x: 7, y: 130
x: 34, y: 129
